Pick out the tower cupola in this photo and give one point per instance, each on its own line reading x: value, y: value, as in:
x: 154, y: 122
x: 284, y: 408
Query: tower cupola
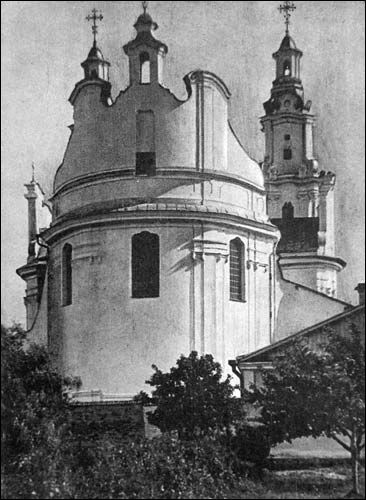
x: 287, y: 60
x: 288, y: 79
x: 96, y: 68
x: 145, y: 52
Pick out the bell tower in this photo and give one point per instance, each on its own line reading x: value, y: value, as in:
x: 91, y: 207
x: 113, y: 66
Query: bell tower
x: 300, y: 196
x: 146, y: 54
x: 96, y: 68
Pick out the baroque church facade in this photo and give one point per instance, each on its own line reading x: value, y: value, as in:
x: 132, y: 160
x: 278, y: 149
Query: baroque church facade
x: 166, y: 237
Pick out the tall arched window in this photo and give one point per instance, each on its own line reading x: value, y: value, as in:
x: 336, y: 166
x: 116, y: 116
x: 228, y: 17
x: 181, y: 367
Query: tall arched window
x: 237, y: 285
x: 145, y: 265
x: 144, y: 67
x: 67, y: 275
x: 287, y: 68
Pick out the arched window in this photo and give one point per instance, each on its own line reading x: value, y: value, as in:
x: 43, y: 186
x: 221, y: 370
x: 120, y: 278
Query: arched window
x: 288, y: 210
x: 144, y: 67
x: 67, y: 275
x: 145, y: 265
x: 287, y: 68
x: 237, y: 270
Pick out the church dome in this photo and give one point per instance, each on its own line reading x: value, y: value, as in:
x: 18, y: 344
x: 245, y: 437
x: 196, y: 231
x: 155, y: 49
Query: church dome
x: 145, y: 20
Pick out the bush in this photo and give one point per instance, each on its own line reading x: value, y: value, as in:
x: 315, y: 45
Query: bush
x: 160, y: 468
x: 251, y: 443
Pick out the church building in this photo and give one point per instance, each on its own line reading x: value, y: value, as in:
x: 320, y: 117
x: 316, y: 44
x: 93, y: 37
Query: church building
x: 166, y: 237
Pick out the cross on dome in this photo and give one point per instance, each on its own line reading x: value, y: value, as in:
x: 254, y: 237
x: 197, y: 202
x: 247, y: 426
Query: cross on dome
x: 286, y: 9
x: 94, y: 17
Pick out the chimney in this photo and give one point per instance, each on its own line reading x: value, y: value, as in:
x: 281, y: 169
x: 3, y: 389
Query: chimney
x: 360, y: 288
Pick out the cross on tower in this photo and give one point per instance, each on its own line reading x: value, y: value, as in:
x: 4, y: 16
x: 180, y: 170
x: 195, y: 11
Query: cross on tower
x: 144, y: 6
x: 286, y: 9
x: 94, y: 18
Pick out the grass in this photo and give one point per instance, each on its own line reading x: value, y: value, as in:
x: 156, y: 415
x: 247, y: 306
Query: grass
x: 312, y: 482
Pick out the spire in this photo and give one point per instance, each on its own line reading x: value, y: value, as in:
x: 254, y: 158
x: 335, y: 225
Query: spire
x: 286, y: 9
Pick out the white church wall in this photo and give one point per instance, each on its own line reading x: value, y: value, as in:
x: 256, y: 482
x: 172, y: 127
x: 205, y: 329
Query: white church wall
x: 299, y: 307
x: 110, y: 340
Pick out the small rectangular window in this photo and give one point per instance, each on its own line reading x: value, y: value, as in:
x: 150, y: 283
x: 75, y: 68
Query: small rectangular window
x: 145, y: 164
x: 287, y: 137
x: 287, y: 154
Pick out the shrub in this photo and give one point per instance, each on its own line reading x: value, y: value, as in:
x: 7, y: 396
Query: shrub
x: 160, y: 468
x: 251, y: 443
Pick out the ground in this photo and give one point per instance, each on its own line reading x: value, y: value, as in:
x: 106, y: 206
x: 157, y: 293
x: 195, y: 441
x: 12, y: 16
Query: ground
x: 307, y: 482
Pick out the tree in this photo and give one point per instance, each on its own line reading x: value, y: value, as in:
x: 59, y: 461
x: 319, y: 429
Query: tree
x: 318, y: 392
x: 192, y: 398
x: 34, y: 402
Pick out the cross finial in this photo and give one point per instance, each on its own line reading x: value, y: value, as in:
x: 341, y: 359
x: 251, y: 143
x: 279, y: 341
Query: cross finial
x: 94, y: 17
x: 32, y: 172
x: 144, y: 6
x: 287, y: 8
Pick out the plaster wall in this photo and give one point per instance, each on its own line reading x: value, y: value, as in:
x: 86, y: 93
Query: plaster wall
x: 187, y: 189
x: 193, y: 134
x: 110, y: 340
x: 37, y: 332
x: 316, y: 276
x: 294, y: 129
x: 292, y: 315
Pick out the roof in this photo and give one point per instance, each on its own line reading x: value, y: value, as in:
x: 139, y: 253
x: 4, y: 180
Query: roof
x: 95, y: 53
x: 260, y: 354
x: 287, y: 43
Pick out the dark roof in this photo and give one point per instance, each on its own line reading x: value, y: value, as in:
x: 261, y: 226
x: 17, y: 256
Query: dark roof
x: 145, y: 19
x: 95, y: 53
x: 145, y: 38
x: 287, y: 43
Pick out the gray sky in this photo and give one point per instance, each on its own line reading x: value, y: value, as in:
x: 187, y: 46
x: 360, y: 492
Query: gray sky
x: 44, y: 42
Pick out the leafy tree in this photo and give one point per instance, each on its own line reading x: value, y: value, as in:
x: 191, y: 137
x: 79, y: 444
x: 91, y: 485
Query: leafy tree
x: 318, y: 392
x: 34, y: 404
x: 191, y: 398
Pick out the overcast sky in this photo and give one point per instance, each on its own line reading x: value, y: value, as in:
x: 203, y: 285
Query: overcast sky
x: 43, y: 44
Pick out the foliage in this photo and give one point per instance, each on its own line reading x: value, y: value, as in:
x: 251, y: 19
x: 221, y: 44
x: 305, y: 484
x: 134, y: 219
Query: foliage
x: 251, y: 443
x: 34, y: 407
x: 160, y: 468
x: 314, y: 392
x: 191, y: 398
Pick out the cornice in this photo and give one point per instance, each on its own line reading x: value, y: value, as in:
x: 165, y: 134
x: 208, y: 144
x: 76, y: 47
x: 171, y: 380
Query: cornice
x: 293, y: 260
x: 147, y: 217
x: 162, y: 172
